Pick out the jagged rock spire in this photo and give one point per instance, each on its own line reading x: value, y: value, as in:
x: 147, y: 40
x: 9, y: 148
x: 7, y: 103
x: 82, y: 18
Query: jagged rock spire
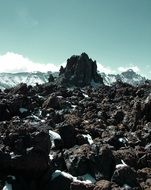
x: 80, y: 71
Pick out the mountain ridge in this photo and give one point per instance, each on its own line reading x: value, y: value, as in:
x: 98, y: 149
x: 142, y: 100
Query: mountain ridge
x: 129, y: 76
x: 8, y: 80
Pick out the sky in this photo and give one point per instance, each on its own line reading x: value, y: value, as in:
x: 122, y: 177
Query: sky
x: 43, y: 34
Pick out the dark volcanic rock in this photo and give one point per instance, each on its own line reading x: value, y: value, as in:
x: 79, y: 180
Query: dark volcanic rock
x: 33, y: 164
x: 14, y: 105
x: 125, y: 175
x: 4, y: 112
x: 128, y: 155
x: 20, y: 89
x: 80, y: 71
x: 28, y: 153
x: 85, y: 159
x: 51, y: 102
x: 100, y: 135
x: 68, y: 135
x: 59, y: 183
x: 51, y: 78
x: 4, y: 163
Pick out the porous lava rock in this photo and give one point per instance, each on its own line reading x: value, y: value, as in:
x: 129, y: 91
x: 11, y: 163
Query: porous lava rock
x: 67, y: 137
x: 26, y: 154
x: 99, y: 162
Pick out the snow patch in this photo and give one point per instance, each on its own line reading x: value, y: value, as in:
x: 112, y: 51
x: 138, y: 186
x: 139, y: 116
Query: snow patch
x: 53, y: 135
x: 51, y: 156
x: 60, y: 97
x: 123, y: 140
x: 7, y: 186
x: 35, y: 117
x: 85, y: 95
x: 127, y: 187
x: 121, y: 165
x: 88, y: 178
x: 73, y: 106
x: 89, y: 138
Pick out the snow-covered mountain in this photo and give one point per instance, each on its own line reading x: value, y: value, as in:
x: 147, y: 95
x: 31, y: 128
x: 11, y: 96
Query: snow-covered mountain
x: 8, y: 80
x: 128, y: 76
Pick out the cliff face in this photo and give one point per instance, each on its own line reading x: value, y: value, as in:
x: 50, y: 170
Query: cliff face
x: 80, y: 71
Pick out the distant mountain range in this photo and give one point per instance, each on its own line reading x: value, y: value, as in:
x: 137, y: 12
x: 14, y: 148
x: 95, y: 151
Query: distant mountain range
x: 128, y: 76
x: 8, y: 80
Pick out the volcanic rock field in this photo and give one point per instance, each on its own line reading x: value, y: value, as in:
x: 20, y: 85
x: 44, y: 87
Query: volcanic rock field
x: 75, y: 133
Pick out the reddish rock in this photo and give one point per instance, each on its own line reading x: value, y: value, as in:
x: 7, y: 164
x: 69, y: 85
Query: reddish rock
x: 103, y: 185
x: 81, y: 186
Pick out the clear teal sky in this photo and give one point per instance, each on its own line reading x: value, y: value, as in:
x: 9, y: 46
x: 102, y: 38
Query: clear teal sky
x: 114, y: 32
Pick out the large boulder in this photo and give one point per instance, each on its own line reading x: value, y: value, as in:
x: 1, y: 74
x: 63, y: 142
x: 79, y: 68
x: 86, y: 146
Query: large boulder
x: 68, y: 135
x: 80, y: 71
x: 99, y: 162
x: 21, y: 88
x: 4, y: 112
x: 27, y: 152
x: 51, y: 102
x: 124, y: 175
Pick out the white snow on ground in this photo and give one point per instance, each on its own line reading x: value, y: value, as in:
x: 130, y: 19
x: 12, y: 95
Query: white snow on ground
x: 85, y: 95
x: 35, y: 117
x: 7, y: 186
x: 88, y: 178
x: 51, y: 156
x: 121, y: 165
x: 126, y: 187
x: 53, y: 135
x: 123, y: 140
x: 89, y: 138
x: 73, y: 106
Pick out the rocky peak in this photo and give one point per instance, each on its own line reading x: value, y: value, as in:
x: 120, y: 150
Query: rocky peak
x: 129, y: 74
x: 80, y: 70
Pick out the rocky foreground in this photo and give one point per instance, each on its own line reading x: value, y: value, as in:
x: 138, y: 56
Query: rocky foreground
x: 54, y: 137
